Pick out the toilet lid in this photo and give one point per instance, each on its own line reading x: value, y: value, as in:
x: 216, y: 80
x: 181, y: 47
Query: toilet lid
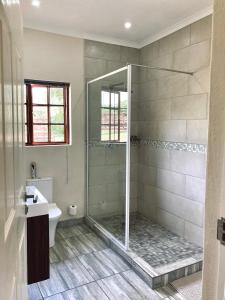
x: 54, y: 213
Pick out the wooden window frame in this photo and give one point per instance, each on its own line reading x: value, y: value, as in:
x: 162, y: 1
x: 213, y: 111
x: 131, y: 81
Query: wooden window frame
x: 29, y: 111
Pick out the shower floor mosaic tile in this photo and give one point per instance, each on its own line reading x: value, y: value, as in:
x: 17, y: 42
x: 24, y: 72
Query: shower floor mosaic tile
x: 150, y: 241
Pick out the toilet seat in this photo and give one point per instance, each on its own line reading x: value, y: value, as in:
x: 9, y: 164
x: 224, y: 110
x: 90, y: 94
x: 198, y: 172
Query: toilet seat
x: 54, y: 211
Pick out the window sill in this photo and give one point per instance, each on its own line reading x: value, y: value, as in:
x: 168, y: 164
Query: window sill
x: 113, y: 143
x: 45, y: 146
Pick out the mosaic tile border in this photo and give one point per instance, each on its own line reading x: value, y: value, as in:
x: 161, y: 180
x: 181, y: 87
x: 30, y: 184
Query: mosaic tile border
x: 144, y: 270
x: 179, y: 146
x: 157, y: 144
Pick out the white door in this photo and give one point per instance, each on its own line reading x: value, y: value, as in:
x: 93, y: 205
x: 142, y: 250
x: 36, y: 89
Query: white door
x: 12, y: 212
x: 214, y: 251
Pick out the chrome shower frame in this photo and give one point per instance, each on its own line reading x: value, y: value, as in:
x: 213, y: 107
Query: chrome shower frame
x: 128, y: 67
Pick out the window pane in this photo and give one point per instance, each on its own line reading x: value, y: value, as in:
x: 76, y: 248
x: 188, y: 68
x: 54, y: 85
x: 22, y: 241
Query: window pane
x: 105, y: 116
x: 123, y: 135
x: 40, y: 133
x: 114, y: 99
x: 57, y: 114
x: 40, y: 114
x: 114, y: 133
x: 123, y: 117
x: 123, y: 99
x: 105, y: 99
x: 114, y: 117
x: 57, y: 133
x: 39, y: 95
x: 56, y: 96
x: 104, y: 133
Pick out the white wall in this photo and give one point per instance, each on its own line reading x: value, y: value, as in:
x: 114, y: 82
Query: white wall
x: 54, y: 57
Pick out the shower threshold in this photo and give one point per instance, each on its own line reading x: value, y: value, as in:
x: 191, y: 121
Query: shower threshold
x: 156, y: 254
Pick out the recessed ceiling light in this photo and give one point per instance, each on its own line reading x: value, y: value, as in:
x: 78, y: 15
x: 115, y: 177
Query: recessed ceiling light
x: 36, y: 3
x: 127, y: 25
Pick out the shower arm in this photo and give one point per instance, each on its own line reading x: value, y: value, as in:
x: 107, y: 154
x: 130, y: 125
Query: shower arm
x: 162, y: 69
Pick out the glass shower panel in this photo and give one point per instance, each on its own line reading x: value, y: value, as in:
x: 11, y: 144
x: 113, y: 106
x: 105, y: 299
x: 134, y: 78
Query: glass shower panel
x: 107, y: 142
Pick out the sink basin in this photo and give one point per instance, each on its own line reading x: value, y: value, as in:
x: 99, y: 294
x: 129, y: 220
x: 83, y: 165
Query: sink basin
x: 36, y: 209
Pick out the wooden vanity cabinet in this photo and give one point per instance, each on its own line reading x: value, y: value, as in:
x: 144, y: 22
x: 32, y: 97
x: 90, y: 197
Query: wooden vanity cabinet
x: 38, y: 267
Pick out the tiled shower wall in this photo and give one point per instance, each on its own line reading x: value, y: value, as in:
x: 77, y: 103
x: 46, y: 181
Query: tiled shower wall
x: 174, y: 107
x: 166, y: 185
x: 107, y: 164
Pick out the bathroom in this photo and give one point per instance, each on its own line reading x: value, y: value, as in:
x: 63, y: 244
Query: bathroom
x: 117, y: 143
x: 178, y: 108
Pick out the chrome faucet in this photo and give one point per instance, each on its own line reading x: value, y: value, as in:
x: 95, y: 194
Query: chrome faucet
x: 26, y: 196
x: 33, y: 170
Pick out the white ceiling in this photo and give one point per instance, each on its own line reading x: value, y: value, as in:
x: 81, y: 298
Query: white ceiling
x: 103, y: 20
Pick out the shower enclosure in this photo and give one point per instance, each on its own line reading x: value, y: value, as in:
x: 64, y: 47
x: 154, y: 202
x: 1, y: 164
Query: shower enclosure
x: 122, y: 201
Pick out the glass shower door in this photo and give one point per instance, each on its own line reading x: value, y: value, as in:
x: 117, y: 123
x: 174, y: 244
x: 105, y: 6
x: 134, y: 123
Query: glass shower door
x: 107, y: 149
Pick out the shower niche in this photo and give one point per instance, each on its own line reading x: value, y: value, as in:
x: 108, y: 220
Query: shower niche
x: 133, y: 200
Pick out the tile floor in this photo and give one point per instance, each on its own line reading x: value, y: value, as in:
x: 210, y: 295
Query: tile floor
x: 150, y: 241
x: 83, y: 267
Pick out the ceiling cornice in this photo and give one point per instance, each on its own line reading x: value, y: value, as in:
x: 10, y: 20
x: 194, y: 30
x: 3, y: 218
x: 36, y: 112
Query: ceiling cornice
x: 185, y: 22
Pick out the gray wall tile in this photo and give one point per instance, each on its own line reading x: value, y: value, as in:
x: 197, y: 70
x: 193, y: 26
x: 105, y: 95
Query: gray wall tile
x: 188, y: 163
x: 197, y: 131
x: 94, y: 67
x: 171, y: 222
x: 193, y: 58
x: 194, y: 107
x: 195, y: 189
x: 102, y: 50
x: 149, y: 52
x: 174, y: 41
x: 184, y: 208
x: 194, y: 233
x: 201, y: 30
x: 171, y: 181
x: 172, y: 130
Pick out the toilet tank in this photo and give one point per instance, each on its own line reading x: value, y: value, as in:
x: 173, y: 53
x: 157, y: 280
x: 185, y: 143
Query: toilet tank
x: 44, y: 185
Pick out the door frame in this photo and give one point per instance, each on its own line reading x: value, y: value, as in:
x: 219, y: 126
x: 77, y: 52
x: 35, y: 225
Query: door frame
x: 214, y: 252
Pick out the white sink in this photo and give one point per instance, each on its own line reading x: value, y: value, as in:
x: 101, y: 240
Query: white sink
x: 36, y: 209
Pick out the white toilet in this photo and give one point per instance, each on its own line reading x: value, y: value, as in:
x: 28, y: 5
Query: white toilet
x: 45, y: 186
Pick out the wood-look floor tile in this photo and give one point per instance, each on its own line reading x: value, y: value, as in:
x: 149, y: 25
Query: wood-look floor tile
x: 95, y: 267
x: 62, y: 251
x: 103, y: 263
x: 117, y: 288
x: 55, y: 297
x: 93, y: 242
x: 91, y: 291
x: 74, y: 273
x: 97, y: 241
x: 57, y: 236
x: 53, y: 256
x: 34, y: 292
x: 55, y: 284
x: 78, y: 245
x: 113, y: 260
x: 76, y: 230
x: 143, y: 289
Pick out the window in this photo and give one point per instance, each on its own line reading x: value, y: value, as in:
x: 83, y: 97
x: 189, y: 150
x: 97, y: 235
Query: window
x: 46, y: 113
x: 113, y: 116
